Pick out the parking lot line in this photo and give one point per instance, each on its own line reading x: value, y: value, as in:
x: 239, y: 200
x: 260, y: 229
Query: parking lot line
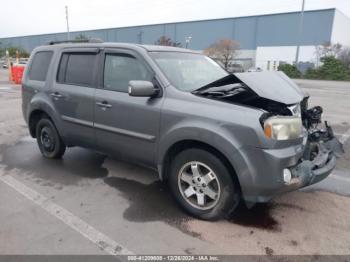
x: 101, y: 240
x: 345, y: 136
x: 345, y: 179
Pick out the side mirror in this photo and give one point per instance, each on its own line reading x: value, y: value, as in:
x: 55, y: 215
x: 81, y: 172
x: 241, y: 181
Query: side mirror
x: 142, y: 88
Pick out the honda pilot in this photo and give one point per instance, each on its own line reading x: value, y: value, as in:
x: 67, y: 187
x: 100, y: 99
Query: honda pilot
x: 216, y: 138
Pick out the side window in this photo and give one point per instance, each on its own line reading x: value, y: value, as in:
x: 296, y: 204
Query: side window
x: 40, y: 65
x: 62, y: 68
x: 119, y: 69
x: 76, y: 68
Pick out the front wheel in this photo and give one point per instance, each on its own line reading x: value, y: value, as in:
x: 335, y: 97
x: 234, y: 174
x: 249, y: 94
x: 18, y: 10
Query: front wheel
x: 203, y: 185
x: 49, y: 141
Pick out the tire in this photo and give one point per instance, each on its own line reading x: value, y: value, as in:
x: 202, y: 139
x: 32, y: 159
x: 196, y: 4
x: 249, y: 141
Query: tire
x: 222, y: 187
x: 48, y: 139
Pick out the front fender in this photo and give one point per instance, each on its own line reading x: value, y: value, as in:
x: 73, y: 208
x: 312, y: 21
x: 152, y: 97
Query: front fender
x: 219, y: 137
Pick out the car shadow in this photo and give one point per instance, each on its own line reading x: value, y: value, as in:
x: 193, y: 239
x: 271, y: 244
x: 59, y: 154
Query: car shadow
x: 76, y: 164
x: 147, y: 202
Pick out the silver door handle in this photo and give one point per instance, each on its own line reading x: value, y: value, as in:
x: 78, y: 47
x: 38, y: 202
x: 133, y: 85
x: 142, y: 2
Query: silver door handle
x: 104, y: 104
x: 56, y: 95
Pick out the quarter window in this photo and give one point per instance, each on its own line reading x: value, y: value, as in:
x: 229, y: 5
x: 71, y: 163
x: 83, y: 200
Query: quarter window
x: 40, y: 65
x: 76, y: 68
x: 119, y: 69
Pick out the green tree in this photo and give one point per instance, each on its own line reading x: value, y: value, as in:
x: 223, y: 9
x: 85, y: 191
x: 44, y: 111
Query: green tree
x: 333, y: 69
x: 290, y: 70
x: 312, y: 73
x: 2, y: 50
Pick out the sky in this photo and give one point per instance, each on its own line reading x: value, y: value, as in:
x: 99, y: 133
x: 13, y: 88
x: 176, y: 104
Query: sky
x: 28, y: 17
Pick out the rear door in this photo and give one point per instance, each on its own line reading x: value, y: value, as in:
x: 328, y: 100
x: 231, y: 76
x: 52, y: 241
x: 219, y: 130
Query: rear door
x: 73, y: 94
x: 126, y: 126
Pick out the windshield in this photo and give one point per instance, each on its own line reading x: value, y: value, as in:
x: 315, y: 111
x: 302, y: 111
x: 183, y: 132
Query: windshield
x: 188, y: 71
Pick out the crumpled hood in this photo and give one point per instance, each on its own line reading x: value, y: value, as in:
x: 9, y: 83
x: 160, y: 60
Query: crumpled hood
x: 275, y: 86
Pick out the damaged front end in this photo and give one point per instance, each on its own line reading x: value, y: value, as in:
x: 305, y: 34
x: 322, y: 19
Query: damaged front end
x: 321, y: 149
x: 285, y: 109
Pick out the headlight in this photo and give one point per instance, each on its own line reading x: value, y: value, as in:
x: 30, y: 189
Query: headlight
x: 283, y: 127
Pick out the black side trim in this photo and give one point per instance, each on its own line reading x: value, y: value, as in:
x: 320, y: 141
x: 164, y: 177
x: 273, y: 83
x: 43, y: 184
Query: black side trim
x: 78, y: 121
x: 125, y: 132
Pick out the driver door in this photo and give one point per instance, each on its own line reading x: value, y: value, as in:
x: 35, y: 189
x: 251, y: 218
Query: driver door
x: 124, y: 125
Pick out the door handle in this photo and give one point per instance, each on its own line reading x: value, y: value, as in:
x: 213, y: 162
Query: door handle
x: 56, y: 95
x: 104, y: 104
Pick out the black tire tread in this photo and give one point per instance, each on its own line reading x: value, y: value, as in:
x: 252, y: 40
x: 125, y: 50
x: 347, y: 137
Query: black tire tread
x: 60, y: 146
x: 230, y: 196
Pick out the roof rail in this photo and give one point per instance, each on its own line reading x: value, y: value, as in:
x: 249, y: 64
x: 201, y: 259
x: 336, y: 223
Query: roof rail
x: 92, y: 40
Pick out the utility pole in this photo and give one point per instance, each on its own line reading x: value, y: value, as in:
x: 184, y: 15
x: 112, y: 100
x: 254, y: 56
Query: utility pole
x: 140, y: 36
x: 301, y: 23
x: 68, y: 37
x: 8, y: 64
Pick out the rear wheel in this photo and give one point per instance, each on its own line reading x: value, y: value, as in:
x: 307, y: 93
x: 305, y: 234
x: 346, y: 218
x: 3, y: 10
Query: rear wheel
x: 49, y: 141
x: 203, y: 185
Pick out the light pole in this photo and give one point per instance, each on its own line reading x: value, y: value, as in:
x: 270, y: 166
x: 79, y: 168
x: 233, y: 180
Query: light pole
x: 188, y: 40
x: 140, y: 36
x: 68, y: 37
x: 7, y: 53
x: 301, y: 22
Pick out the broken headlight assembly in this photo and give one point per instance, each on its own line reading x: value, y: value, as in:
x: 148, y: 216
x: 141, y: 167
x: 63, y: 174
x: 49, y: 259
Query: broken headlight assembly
x: 283, y: 127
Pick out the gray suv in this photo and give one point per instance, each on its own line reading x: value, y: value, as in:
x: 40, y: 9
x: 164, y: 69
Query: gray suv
x: 216, y: 138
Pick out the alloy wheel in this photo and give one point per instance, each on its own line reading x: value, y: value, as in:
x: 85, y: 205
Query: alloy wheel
x: 199, y: 185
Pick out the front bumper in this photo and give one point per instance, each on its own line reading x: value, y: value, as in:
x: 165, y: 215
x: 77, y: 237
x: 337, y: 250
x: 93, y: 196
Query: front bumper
x: 267, y: 168
x: 310, y: 172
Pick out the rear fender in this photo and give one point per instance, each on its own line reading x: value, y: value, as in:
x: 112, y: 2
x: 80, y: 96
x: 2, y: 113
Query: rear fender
x: 42, y: 102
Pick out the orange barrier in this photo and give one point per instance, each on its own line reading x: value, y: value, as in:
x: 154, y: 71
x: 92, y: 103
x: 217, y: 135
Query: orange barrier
x: 17, y: 73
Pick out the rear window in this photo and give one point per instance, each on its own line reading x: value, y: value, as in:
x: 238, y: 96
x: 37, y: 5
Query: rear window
x: 40, y: 65
x: 76, y: 68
